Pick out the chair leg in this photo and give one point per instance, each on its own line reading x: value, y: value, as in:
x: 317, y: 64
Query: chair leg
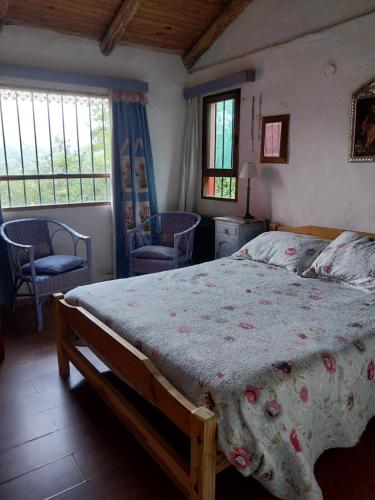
x: 38, y: 312
x: 14, y: 300
x: 17, y: 286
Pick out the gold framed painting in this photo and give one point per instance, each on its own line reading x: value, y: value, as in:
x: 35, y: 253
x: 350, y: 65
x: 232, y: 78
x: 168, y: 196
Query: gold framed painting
x: 362, y: 130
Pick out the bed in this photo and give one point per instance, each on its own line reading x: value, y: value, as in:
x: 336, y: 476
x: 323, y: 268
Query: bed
x: 258, y: 367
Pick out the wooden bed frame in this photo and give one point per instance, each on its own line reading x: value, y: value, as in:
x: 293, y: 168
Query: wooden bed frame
x: 195, y: 479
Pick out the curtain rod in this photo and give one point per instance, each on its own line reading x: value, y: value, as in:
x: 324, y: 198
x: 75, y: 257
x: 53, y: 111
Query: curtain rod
x: 248, y: 75
x: 58, y: 76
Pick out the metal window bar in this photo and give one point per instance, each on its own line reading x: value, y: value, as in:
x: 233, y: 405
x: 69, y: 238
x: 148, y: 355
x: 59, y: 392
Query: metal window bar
x: 51, y: 148
x: 36, y: 147
x: 24, y: 177
x: 104, y: 144
x: 215, y: 133
x: 21, y: 149
x: 4, y: 146
x: 222, y: 139
x: 232, y: 132
x: 64, y: 140
x: 78, y: 147
x: 91, y: 148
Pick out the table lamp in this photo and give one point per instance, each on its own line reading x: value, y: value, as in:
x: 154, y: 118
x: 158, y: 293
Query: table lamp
x: 248, y: 171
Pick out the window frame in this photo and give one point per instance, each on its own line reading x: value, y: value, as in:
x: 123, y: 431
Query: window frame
x: 234, y: 94
x: 53, y: 176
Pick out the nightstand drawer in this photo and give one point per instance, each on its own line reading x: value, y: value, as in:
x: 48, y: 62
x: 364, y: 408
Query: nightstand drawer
x: 232, y: 233
x: 227, y: 229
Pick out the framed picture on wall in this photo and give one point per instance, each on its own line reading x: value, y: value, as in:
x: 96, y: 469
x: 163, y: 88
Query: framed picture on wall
x: 274, y: 145
x: 362, y: 130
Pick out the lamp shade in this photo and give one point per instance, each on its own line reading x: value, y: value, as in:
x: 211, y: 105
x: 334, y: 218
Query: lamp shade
x: 248, y: 170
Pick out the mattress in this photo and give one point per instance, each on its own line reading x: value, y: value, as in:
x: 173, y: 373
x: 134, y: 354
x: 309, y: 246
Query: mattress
x: 286, y: 363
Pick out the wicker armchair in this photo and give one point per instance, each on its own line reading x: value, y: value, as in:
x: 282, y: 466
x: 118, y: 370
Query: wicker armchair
x: 162, y: 242
x: 34, y: 263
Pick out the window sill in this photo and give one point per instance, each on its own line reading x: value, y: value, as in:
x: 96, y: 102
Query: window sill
x: 232, y: 200
x: 62, y: 205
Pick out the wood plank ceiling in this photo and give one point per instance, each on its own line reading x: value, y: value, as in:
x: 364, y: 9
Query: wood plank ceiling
x: 186, y: 27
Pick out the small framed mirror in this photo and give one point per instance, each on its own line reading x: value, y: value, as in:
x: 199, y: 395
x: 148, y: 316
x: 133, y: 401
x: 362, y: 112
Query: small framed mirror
x: 274, y: 146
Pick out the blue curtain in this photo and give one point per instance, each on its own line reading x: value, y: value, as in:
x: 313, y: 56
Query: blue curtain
x: 6, y: 287
x: 134, y: 194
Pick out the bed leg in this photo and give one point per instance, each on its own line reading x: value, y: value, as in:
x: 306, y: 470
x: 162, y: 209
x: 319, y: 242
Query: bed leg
x: 60, y: 333
x: 203, y: 455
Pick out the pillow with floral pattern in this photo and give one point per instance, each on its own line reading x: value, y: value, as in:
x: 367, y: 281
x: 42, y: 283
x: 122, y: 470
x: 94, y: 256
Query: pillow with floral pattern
x: 349, y: 258
x: 295, y: 252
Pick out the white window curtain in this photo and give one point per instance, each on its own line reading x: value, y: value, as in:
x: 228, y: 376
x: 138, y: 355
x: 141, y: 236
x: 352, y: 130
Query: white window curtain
x: 190, y: 158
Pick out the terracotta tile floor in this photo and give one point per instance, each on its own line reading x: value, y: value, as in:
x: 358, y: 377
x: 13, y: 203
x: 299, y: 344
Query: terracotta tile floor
x: 59, y: 440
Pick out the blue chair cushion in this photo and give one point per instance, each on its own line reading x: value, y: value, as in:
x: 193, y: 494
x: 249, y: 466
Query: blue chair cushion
x: 156, y: 252
x: 55, y: 264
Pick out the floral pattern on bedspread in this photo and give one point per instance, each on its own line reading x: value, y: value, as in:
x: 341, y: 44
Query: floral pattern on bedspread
x: 286, y: 363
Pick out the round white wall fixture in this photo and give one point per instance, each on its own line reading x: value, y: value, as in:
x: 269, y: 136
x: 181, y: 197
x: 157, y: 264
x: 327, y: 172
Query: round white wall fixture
x: 330, y: 70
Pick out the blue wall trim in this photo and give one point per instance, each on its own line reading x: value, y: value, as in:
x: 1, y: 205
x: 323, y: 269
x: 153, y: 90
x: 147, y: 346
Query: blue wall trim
x: 52, y: 75
x: 248, y: 75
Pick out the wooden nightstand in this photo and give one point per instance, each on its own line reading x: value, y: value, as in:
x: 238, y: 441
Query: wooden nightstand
x: 231, y: 233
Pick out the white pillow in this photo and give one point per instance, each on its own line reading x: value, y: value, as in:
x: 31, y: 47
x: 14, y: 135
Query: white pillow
x: 295, y: 252
x: 349, y: 258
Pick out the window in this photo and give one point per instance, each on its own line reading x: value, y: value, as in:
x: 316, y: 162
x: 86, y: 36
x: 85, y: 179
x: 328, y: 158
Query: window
x: 221, y: 113
x: 54, y: 148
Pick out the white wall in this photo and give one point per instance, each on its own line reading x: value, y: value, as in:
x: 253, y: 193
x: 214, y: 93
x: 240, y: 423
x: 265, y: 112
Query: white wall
x: 165, y: 74
x: 318, y: 186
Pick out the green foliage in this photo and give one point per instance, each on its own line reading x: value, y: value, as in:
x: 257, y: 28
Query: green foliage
x: 225, y: 187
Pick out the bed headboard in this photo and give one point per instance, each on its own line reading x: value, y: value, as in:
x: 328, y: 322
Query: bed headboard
x: 325, y: 233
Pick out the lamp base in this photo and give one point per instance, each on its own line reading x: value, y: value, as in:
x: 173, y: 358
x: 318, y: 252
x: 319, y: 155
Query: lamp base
x: 248, y: 216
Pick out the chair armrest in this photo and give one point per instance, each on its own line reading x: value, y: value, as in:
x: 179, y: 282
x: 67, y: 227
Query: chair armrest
x: 13, y: 243
x: 76, y: 237
x: 132, y: 234
x: 70, y: 230
x: 15, y: 249
x: 189, y: 243
x: 135, y: 239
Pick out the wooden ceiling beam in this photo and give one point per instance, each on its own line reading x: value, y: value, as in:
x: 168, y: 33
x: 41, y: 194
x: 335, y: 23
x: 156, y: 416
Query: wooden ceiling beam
x: 229, y: 14
x: 4, y: 4
x: 119, y: 23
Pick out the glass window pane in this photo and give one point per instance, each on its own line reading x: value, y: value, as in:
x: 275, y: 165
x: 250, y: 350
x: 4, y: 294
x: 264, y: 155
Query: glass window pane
x: 84, y: 134
x: 233, y: 188
x: 4, y: 195
x: 17, y: 193
x: 100, y: 189
x: 50, y: 133
x: 107, y: 135
x: 11, y: 132
x: 219, y: 134
x: 61, y: 191
x: 228, y: 134
x: 98, y: 136
x: 88, y: 190
x: 56, y: 121
x: 75, y: 190
x: 71, y: 140
x: 25, y: 110
x: 32, y: 192
x: 220, y: 187
x: 3, y: 169
x: 47, y: 191
x: 42, y: 132
x: 272, y: 139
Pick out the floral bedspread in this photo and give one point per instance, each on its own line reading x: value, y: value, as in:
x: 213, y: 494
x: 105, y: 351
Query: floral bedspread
x: 286, y: 363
